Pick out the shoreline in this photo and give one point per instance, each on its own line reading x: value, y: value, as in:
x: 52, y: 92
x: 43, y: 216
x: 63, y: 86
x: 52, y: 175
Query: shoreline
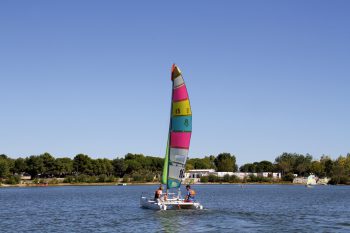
x: 135, y: 184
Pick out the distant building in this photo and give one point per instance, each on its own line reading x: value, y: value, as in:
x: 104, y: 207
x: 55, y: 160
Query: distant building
x: 273, y: 175
x: 196, y: 174
x: 222, y: 174
x: 25, y: 176
x: 243, y: 175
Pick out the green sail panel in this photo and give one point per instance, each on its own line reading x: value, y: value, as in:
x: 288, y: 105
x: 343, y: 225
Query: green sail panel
x: 165, y: 168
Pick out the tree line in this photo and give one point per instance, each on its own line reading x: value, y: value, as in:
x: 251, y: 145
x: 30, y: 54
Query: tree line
x: 287, y: 164
x: 83, y: 168
x: 141, y: 168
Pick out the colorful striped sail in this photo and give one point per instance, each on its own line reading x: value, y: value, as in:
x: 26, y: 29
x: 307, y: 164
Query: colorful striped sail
x: 180, y: 130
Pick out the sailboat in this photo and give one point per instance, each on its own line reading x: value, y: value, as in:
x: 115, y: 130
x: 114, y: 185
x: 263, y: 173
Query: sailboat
x: 178, y: 143
x: 311, y: 180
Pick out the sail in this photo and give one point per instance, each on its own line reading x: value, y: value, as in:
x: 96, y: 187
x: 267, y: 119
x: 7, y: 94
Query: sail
x: 179, y: 132
x: 311, y: 180
x: 165, y: 168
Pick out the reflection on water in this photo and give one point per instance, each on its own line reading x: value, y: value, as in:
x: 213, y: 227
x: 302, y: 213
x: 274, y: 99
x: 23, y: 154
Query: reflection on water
x: 228, y: 208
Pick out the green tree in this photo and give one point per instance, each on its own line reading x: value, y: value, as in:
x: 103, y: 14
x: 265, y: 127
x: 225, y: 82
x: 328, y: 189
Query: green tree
x: 35, y: 165
x: 132, y: 166
x: 339, y: 172
x: 328, y: 164
x: 294, y: 163
x: 302, y: 164
x: 108, y: 166
x: 20, y: 165
x: 102, y: 167
x: 264, y: 166
x: 317, y: 168
x: 248, y: 167
x: 189, y: 166
x: 286, y: 162
x: 225, y: 162
x: 201, y: 163
x: 98, y: 167
x: 4, y: 167
x: 82, y: 164
x: 63, y: 167
x: 119, y: 167
x: 49, y: 164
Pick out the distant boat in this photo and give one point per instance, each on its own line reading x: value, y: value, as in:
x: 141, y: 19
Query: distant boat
x: 311, y: 181
x: 179, y: 136
x: 122, y: 184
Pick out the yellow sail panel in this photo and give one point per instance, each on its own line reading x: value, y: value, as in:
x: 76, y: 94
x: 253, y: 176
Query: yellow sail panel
x: 181, y: 108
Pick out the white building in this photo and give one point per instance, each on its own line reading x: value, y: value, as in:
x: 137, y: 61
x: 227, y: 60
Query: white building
x: 273, y: 175
x: 196, y: 174
x: 242, y: 175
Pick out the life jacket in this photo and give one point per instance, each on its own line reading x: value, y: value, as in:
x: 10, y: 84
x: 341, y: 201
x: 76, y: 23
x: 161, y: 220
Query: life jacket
x: 192, y: 193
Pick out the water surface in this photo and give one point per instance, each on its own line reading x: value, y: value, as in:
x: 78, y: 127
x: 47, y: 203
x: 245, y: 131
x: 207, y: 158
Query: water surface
x: 228, y: 208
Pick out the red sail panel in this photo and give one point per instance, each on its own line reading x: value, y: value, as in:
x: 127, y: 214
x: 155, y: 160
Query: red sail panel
x: 180, y: 93
x: 180, y: 140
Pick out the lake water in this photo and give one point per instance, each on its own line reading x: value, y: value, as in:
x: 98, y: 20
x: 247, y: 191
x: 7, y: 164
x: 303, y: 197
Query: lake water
x: 228, y: 208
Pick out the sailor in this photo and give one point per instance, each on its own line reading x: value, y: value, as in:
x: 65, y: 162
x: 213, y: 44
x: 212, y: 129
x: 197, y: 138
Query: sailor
x: 190, y: 194
x: 158, y: 193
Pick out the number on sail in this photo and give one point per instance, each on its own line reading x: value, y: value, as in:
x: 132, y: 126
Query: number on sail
x: 186, y: 123
x: 181, y: 174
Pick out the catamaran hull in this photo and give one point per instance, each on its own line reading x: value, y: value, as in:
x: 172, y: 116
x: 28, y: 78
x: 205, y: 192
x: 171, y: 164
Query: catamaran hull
x: 169, y: 204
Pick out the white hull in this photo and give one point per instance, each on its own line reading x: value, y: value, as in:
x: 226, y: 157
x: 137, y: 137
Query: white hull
x: 174, y: 204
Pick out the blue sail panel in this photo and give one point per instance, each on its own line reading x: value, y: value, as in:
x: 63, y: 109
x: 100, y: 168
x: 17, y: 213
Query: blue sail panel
x: 181, y: 124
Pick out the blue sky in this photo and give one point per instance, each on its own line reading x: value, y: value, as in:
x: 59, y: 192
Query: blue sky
x: 93, y: 77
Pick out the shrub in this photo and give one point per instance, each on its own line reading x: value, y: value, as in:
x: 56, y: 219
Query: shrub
x: 92, y: 179
x: 13, y: 179
x: 259, y: 179
x: 54, y: 181
x: 204, y: 179
x: 110, y: 179
x: 82, y: 178
x: 126, y: 178
x: 69, y: 179
x: 149, y: 178
x: 339, y: 180
x: 35, y: 181
x: 226, y: 178
x: 102, y: 178
x: 213, y: 178
x: 234, y: 179
x: 138, y: 178
x: 288, y: 177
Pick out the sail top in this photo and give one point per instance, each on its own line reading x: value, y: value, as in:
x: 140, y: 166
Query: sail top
x: 175, y: 72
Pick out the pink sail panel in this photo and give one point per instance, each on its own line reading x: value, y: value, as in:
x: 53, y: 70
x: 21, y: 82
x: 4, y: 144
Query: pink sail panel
x: 180, y: 93
x: 180, y: 140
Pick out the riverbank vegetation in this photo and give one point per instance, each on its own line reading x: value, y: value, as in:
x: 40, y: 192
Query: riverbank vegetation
x: 139, y: 168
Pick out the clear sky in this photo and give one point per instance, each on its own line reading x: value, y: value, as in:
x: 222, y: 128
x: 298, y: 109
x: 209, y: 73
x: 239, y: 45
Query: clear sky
x: 93, y: 77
